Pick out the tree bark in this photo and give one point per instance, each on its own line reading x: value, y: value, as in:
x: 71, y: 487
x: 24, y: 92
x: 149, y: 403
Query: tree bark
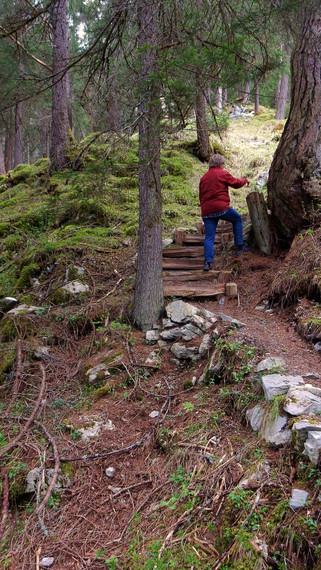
x: 282, y: 97
x: 8, y: 147
x: 18, y: 133
x: 203, y: 143
x: 260, y: 221
x: 294, y: 193
x: 60, y: 116
x: 246, y: 94
x: 256, y: 97
x: 219, y: 100
x: 149, y: 298
x: 2, y: 164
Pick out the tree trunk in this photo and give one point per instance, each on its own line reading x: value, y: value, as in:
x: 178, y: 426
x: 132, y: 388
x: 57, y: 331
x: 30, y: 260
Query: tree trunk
x: 225, y: 96
x: 60, y: 117
x: 2, y: 165
x: 256, y: 97
x: 246, y: 94
x: 18, y: 133
x: 281, y: 96
x: 203, y: 143
x: 8, y: 147
x: 294, y: 180
x: 149, y: 298
x: 219, y: 100
x: 260, y: 221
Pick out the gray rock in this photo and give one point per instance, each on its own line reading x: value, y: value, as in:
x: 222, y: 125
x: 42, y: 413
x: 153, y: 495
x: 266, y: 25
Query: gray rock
x: 46, y: 561
x: 270, y: 363
x: 303, y: 400
x: 94, y: 429
x: 189, y: 332
x: 167, y: 323
x: 298, y: 499
x: 260, y: 308
x: 255, y: 416
x: 205, y: 345
x: 262, y: 471
x: 184, y: 353
x: 7, y: 303
x: 171, y: 334
x: 153, y: 359
x: 312, y: 446
x: 311, y: 376
x: 167, y: 241
x: 154, y: 414
x: 180, y: 312
x: 209, y: 315
x: 23, y: 309
x: 317, y: 346
x: 152, y: 336
x: 201, y: 323
x: 234, y: 322
x: 76, y: 288
x: 41, y: 352
x: 273, y: 432
x: 93, y: 374
x: 36, y: 475
x: 300, y: 432
x: 110, y: 472
x: 163, y: 345
x: 277, y: 384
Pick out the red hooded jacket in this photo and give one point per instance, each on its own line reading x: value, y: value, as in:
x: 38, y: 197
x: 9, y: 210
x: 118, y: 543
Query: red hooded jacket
x: 213, y: 190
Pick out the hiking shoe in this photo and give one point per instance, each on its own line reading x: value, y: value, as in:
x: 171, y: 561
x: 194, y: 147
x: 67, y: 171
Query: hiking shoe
x: 207, y: 266
x: 242, y: 248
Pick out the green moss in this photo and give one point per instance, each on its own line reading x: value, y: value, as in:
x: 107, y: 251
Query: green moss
x: 8, y: 359
x: 29, y: 172
x: 104, y: 390
x: 9, y: 331
x: 27, y: 272
x: 59, y: 297
x: 67, y: 469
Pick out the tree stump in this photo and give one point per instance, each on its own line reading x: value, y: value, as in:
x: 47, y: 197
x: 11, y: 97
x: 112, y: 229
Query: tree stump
x: 260, y: 221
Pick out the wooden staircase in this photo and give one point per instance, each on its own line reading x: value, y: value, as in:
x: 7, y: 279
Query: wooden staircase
x: 183, y: 274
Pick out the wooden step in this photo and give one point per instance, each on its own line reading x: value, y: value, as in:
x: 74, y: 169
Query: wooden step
x: 197, y: 275
x: 193, y: 289
x: 195, y: 251
x: 183, y: 263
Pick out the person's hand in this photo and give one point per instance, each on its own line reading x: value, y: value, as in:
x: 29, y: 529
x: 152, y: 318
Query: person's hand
x: 247, y: 183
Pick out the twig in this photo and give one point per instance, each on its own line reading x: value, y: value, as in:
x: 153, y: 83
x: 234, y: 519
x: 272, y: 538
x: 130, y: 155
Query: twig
x: 149, y: 482
x: 55, y: 471
x: 13, y: 443
x: 38, y: 558
x: 5, y: 505
x: 17, y: 381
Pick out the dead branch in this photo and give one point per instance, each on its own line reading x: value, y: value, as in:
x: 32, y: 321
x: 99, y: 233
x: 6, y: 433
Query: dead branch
x: 55, y: 471
x: 17, y: 380
x: 30, y: 420
x: 149, y: 482
x: 5, y: 505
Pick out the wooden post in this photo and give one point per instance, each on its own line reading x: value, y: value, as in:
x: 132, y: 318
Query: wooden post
x: 231, y: 290
x: 260, y: 221
x: 179, y: 236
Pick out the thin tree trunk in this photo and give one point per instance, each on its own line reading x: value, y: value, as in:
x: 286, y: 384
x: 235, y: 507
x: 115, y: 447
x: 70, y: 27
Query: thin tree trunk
x: 225, y: 96
x: 2, y: 164
x: 60, y: 115
x: 113, y: 107
x: 8, y: 147
x: 256, y: 97
x: 246, y: 94
x: 282, y: 93
x: 203, y: 144
x: 18, y: 138
x: 219, y: 100
x: 148, y: 298
x: 294, y: 192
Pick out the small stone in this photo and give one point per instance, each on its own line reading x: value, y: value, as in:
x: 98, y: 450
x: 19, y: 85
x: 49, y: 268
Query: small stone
x: 194, y: 380
x: 180, y: 312
x: 317, y: 347
x: 171, y: 334
x: 152, y: 336
x: 270, y: 363
x: 114, y: 490
x: 110, y: 472
x: 312, y: 446
x: 7, y: 303
x: 205, y: 345
x: 259, y: 308
x: 184, y: 353
x: 255, y: 417
x: 46, y: 561
x: 234, y: 322
x: 76, y: 288
x: 153, y: 359
x: 298, y: 499
x: 154, y: 414
x: 277, y: 384
x: 167, y: 241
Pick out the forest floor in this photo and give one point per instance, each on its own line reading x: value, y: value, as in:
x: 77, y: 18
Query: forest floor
x: 171, y: 495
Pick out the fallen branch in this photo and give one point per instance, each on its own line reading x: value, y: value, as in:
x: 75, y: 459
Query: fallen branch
x: 17, y: 381
x: 5, y: 505
x: 55, y: 471
x: 149, y: 482
x: 30, y: 420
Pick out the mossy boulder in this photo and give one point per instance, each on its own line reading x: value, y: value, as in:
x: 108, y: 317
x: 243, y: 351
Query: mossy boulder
x: 29, y: 172
x: 6, y: 364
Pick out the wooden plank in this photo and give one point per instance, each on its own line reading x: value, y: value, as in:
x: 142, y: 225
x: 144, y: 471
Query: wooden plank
x: 196, y: 275
x: 194, y: 289
x: 184, y: 252
x: 183, y: 263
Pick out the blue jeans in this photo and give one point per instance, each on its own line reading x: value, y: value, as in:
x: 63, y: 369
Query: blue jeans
x: 210, y: 231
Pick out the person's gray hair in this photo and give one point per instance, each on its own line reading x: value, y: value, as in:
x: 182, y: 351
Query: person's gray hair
x: 216, y: 160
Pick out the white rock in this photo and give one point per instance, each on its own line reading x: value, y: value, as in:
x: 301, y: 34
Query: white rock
x: 312, y: 446
x: 255, y: 417
x: 301, y: 431
x: 205, y: 345
x: 234, y: 322
x: 153, y: 359
x: 152, y: 336
x: 189, y: 332
x: 76, y: 287
x: 88, y: 433
x: 46, y: 561
x: 184, y: 353
x: 298, y: 499
x: 303, y: 400
x: 167, y: 242
x: 171, y: 334
x: 92, y: 373
x: 270, y: 363
x: 273, y: 432
x: 180, y: 312
x: 154, y: 414
x: 277, y: 384
x: 110, y: 471
x: 22, y: 309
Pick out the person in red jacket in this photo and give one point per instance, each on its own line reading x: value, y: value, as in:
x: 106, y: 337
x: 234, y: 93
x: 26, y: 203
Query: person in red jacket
x: 215, y: 206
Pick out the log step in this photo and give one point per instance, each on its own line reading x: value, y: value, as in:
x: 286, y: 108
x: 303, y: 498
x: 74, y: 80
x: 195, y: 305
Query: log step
x: 193, y: 289
x: 196, y: 275
x: 183, y: 263
x: 184, y: 252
